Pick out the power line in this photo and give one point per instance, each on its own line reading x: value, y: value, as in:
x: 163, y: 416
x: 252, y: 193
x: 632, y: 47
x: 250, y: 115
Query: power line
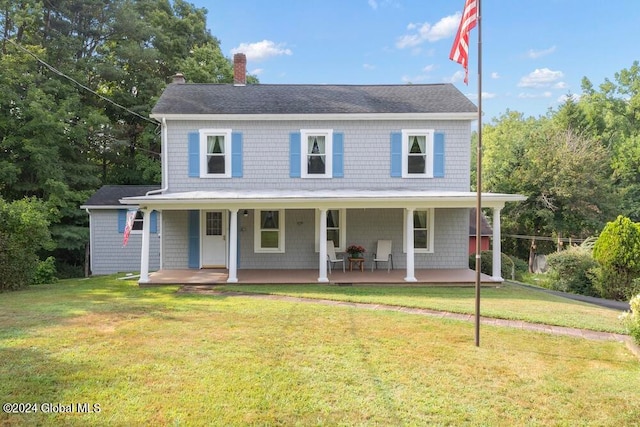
x: 61, y: 74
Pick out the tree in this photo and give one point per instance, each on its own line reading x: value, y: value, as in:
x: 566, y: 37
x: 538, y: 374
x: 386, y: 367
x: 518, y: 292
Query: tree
x: 563, y: 174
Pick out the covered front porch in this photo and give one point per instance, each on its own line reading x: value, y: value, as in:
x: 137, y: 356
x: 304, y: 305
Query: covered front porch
x: 368, y: 211
x: 308, y: 276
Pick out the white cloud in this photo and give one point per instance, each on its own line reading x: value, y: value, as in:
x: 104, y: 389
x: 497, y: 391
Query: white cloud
x: 429, y: 68
x: 534, y: 54
x: 368, y: 66
x: 563, y: 98
x: 257, y: 71
x: 485, y: 95
x: 260, y: 51
x: 545, y: 94
x: 426, y: 32
x: 458, y: 76
x: 541, y: 77
x: 374, y: 4
x: 495, y: 75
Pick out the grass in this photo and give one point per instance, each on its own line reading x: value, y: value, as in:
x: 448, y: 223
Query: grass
x: 150, y: 356
x: 505, y: 302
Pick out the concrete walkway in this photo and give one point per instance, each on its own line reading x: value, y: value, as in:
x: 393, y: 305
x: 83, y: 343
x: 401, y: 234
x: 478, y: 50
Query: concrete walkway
x: 557, y: 330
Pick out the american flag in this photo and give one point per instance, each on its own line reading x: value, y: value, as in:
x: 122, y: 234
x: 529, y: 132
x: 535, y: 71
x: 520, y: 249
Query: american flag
x: 460, y: 50
x: 131, y: 216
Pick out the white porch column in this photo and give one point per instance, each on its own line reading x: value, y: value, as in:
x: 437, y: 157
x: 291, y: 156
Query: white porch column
x: 233, y: 246
x: 322, y: 239
x: 410, y: 246
x: 144, y: 257
x: 496, y: 246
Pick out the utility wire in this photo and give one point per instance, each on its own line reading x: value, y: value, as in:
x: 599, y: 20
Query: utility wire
x: 60, y: 73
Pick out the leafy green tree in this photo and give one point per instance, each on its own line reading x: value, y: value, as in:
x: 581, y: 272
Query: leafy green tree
x: 563, y: 174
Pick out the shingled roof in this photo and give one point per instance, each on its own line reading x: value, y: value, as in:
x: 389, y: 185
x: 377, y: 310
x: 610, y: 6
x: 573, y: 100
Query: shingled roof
x: 190, y: 98
x: 110, y: 195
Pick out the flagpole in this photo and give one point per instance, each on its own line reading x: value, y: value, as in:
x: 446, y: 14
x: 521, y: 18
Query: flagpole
x: 479, y: 178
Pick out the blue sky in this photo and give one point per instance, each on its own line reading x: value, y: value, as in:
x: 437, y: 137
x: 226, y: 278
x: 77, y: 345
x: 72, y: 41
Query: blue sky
x: 534, y: 53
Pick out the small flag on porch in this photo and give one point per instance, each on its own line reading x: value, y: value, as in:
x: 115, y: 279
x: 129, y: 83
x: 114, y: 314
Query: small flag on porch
x: 131, y: 216
x: 460, y: 49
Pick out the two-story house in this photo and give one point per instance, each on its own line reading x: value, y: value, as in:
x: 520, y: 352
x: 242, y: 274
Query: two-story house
x: 263, y: 176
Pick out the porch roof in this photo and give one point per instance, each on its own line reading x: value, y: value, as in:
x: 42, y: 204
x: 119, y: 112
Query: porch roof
x: 311, y: 198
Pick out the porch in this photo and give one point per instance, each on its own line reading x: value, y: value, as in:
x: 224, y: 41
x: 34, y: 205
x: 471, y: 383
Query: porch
x: 310, y: 276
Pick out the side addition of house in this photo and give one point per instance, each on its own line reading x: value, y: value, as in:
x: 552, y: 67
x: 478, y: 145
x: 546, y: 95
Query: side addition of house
x: 271, y: 176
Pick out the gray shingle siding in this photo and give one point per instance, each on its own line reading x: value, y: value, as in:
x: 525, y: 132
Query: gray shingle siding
x: 366, y: 155
x: 108, y: 256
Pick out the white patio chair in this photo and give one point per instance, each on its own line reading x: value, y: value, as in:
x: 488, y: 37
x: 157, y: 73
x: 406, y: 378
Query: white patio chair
x: 383, y: 254
x: 331, y: 256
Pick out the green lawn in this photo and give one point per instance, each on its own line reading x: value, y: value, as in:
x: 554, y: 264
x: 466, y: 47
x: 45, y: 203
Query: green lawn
x: 149, y: 356
x: 505, y: 302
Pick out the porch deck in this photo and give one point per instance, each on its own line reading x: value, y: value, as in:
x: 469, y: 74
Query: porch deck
x: 219, y: 277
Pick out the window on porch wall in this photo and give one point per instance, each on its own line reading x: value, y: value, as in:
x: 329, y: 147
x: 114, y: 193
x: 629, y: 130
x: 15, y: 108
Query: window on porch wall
x: 336, y: 228
x: 269, y: 231
x: 423, y: 225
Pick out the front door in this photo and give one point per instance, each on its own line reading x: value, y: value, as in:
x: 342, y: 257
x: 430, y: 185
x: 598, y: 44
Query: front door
x: 214, y: 244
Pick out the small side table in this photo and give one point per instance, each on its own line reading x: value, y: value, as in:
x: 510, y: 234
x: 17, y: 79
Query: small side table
x: 358, y: 262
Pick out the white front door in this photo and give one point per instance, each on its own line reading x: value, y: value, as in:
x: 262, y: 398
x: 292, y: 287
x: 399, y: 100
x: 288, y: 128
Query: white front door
x: 214, y: 239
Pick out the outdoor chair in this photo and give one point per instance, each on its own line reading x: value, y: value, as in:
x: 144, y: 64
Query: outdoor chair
x: 383, y: 254
x: 331, y: 256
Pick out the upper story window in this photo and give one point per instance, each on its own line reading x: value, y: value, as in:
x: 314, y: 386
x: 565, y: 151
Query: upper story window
x: 215, y: 153
x: 417, y: 153
x: 317, y: 149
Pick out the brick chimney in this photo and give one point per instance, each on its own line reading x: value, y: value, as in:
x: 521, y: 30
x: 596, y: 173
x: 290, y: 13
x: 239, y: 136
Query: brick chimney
x: 179, y: 78
x: 239, y: 69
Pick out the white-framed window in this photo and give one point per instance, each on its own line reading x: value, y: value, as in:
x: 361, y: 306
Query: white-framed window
x: 317, y: 153
x: 215, y: 153
x: 423, y: 226
x: 269, y: 231
x: 417, y: 153
x: 336, y: 228
x: 138, y: 221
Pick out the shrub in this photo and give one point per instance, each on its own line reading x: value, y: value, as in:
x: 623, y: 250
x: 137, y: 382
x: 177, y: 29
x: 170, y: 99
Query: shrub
x: 486, y: 265
x: 569, y: 271
x: 632, y: 319
x: 617, y: 250
x: 45, y: 272
x: 23, y: 232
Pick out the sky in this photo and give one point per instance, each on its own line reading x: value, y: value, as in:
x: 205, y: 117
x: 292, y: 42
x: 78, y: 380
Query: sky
x: 534, y: 53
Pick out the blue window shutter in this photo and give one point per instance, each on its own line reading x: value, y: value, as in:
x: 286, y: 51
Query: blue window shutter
x: 194, y: 154
x: 154, y: 222
x: 338, y: 155
x: 396, y: 154
x: 438, y: 155
x: 194, y: 239
x: 236, y: 154
x: 122, y: 220
x: 294, y: 154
